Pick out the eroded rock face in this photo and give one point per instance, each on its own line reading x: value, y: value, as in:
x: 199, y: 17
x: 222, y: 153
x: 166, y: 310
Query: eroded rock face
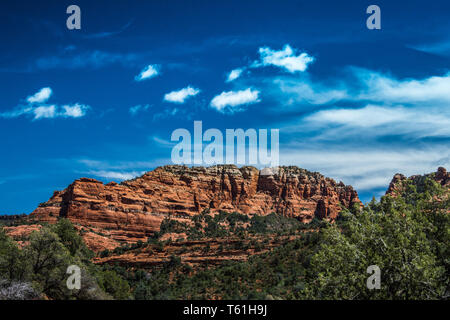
x: 193, y: 252
x: 22, y: 233
x: 134, y: 209
x: 442, y: 176
x: 396, y: 186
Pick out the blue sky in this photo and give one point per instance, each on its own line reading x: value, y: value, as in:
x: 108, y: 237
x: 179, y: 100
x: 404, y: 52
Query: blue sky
x: 357, y: 105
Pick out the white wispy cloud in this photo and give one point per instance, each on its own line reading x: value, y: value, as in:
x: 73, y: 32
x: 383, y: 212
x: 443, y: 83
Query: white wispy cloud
x: 116, y: 174
x: 411, y: 108
x: 232, y: 101
x: 380, y: 87
x: 38, y: 110
x: 74, y: 111
x: 53, y: 111
x: 23, y: 176
x: 118, y: 166
x: 441, y: 47
x: 234, y: 74
x: 114, y: 170
x: 44, y: 112
x: 75, y: 60
x: 375, y: 121
x: 138, y: 108
x: 162, y: 142
x: 41, y: 96
x: 167, y: 113
x: 150, y: 71
x: 355, y: 86
x: 367, y: 168
x: 291, y: 91
x: 285, y: 59
x: 181, y: 95
x: 107, y: 169
x: 106, y: 34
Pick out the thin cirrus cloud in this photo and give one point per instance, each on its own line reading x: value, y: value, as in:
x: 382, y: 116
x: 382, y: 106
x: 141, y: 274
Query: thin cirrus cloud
x: 90, y: 59
x: 374, y: 121
x: 441, y: 47
x: 38, y: 109
x: 150, y: 71
x: 180, y: 96
x: 232, y: 101
x: 361, y: 86
x: 138, y: 108
x: 369, y: 116
x: 379, y: 87
x: 365, y: 168
x: 294, y: 91
x: 106, y: 34
x: 285, y: 59
x: 116, y: 175
x: 410, y: 108
x: 111, y: 170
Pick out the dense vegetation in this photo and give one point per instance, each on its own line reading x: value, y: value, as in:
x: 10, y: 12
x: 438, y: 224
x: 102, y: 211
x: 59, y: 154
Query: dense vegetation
x: 39, y: 269
x: 405, y: 235
x: 226, y: 224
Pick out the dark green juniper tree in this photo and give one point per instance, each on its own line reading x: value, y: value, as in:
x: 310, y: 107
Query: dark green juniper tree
x: 41, y: 266
x: 405, y: 235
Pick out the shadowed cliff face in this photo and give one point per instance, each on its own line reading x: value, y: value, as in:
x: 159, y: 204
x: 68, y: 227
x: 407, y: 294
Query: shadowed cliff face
x: 134, y: 209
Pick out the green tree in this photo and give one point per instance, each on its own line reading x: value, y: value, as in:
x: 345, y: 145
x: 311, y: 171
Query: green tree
x: 113, y: 284
x: 71, y: 239
x: 13, y: 266
x: 49, y: 260
x: 394, y: 235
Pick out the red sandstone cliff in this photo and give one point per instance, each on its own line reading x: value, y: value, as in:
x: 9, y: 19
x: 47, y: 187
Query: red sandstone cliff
x: 134, y: 209
x: 396, y: 186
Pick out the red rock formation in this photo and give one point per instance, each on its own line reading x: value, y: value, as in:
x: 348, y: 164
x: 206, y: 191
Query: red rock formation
x: 396, y: 186
x: 442, y: 176
x: 193, y: 252
x: 21, y: 233
x: 134, y: 209
x: 97, y: 243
